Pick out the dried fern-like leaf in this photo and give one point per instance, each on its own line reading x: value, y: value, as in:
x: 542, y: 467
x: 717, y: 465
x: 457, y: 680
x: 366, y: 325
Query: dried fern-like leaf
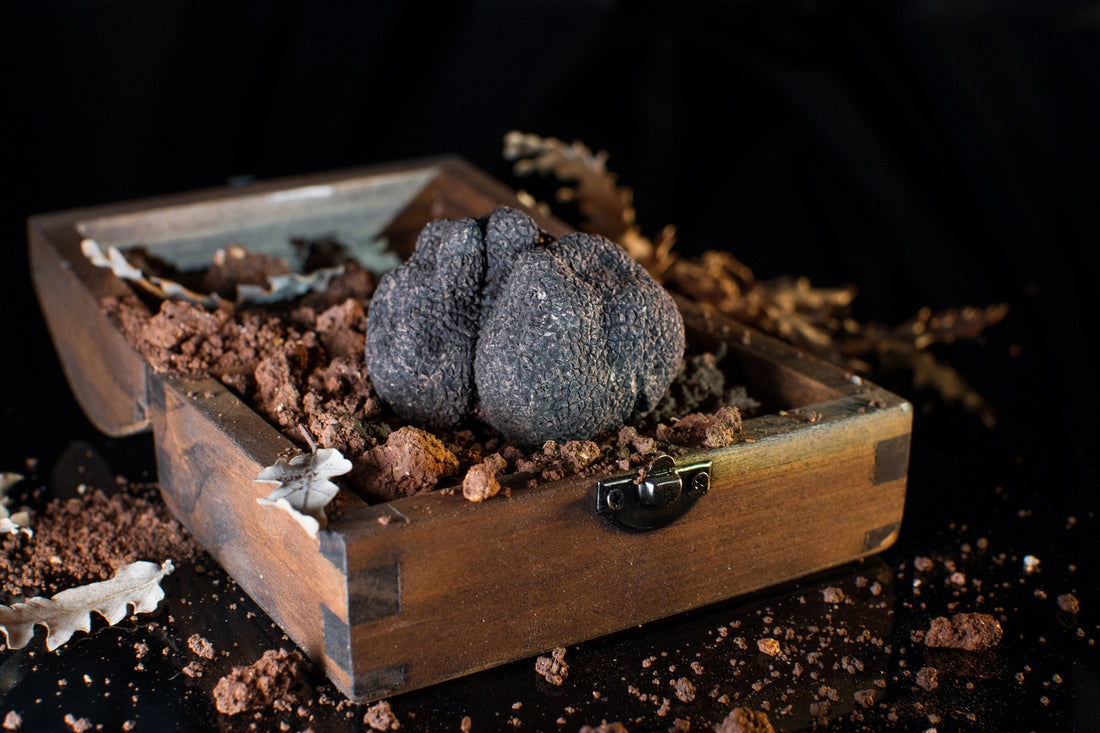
x: 303, y: 486
x: 947, y: 326
x: 136, y: 584
x: 607, y: 207
x: 812, y: 318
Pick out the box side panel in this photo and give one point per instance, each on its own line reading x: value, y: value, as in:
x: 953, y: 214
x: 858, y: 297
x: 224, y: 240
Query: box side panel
x: 210, y: 447
x: 484, y: 584
x: 105, y: 373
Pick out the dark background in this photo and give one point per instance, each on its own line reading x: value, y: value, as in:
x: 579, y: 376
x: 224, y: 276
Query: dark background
x: 932, y: 153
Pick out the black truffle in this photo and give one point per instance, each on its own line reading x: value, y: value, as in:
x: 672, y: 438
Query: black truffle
x: 423, y: 322
x: 547, y: 340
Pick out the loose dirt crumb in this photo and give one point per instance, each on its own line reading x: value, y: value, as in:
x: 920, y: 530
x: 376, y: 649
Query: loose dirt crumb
x: 410, y: 462
x: 969, y: 631
x: 704, y: 430
x: 768, y: 646
x: 685, y: 691
x: 380, y: 717
x: 481, y: 482
x: 745, y: 720
x: 553, y: 668
x: 77, y: 725
x: 865, y: 698
x: 580, y: 454
x: 13, y: 721
x: 193, y: 669
x: 1069, y: 603
x: 923, y: 564
x: 269, y: 679
x: 605, y: 727
x: 926, y: 678
x: 200, y: 646
x: 833, y: 595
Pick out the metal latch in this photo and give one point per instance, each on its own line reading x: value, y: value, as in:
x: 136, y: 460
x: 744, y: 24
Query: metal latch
x: 654, y: 497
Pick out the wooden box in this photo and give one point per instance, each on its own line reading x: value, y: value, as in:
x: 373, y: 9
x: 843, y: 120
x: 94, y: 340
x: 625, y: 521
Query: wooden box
x: 397, y: 596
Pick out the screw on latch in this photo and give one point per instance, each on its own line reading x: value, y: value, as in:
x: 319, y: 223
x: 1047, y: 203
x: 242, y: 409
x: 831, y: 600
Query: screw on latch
x: 615, y: 499
x: 654, y: 497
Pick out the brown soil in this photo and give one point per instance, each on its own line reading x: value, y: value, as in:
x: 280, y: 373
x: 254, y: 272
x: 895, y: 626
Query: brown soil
x: 926, y: 678
x: 87, y: 539
x: 269, y: 681
x: 380, y: 717
x: 301, y: 365
x: 553, y: 668
x: 970, y: 631
x: 1068, y: 603
x: 745, y: 720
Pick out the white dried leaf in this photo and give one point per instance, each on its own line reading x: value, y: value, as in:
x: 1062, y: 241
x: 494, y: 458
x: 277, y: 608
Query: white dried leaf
x: 113, y: 260
x: 279, y: 288
x: 304, y: 487
x: 116, y: 262
x: 136, y: 584
x: 11, y: 522
x: 372, y: 252
x: 287, y: 287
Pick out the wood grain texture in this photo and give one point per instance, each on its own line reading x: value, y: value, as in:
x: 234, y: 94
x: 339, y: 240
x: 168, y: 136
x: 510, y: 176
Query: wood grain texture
x: 105, y: 373
x: 513, y: 577
x: 210, y: 447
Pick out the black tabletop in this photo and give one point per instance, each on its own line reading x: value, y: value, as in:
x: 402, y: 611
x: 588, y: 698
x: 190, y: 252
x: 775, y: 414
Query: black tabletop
x: 933, y: 155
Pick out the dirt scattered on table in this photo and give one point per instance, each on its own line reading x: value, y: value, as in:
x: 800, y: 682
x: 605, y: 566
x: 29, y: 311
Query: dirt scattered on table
x: 926, y: 678
x: 768, y: 646
x: 78, y: 725
x: 604, y: 727
x: 864, y: 698
x: 379, y: 716
x: 745, y: 720
x: 1068, y: 603
x: 268, y: 682
x: 969, y: 631
x: 200, y: 646
x: 88, y: 538
x: 553, y: 668
x: 684, y: 689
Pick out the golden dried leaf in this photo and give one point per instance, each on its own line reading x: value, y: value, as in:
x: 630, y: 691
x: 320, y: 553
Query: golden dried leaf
x: 812, y: 318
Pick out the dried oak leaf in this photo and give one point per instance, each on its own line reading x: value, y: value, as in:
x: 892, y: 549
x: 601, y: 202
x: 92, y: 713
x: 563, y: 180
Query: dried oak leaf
x: 136, y: 584
x: 279, y: 287
x: 11, y: 522
x: 303, y: 486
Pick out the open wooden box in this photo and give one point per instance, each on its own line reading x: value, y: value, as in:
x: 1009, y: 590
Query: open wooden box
x: 397, y: 596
